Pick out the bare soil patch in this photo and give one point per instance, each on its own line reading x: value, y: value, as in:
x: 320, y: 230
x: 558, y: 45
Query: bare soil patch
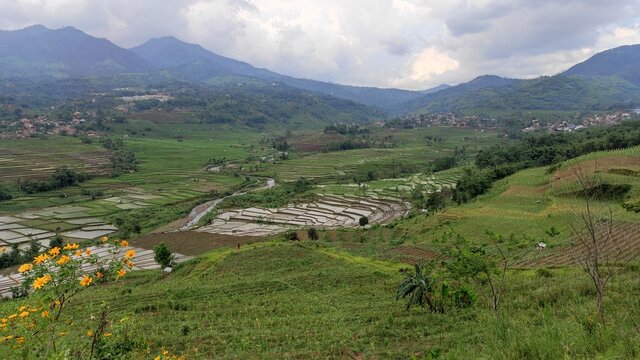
x: 191, y: 242
x: 591, y: 166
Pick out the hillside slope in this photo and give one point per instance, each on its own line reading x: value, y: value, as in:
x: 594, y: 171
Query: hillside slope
x: 194, y: 63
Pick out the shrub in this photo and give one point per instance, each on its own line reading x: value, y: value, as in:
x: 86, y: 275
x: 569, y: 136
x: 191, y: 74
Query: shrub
x: 5, y: 194
x: 312, y: 233
x: 363, y: 221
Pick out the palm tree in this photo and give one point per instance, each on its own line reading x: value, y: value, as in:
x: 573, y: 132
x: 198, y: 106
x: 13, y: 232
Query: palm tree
x: 420, y: 288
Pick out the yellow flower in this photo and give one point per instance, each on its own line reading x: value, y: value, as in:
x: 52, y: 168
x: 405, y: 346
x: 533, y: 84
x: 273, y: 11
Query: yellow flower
x: 24, y: 314
x: 79, y: 253
x: 54, y: 251
x: 40, y: 259
x: 130, y: 254
x: 104, y: 239
x: 25, y: 268
x: 45, y: 313
x: 71, y: 246
x: 63, y: 260
x: 124, y: 243
x: 86, y: 280
x: 89, y: 333
x: 88, y: 252
x: 22, y: 308
x: 20, y: 340
x: 99, y: 275
x: 41, y: 281
x: 130, y: 264
x: 156, y: 358
x: 11, y: 316
x: 106, y: 334
x: 121, y: 273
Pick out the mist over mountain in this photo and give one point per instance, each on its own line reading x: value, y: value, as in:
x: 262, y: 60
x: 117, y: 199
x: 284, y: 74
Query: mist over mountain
x: 608, y: 79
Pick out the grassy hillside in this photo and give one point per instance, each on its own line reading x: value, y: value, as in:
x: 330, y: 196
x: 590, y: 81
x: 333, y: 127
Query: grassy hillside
x: 303, y: 301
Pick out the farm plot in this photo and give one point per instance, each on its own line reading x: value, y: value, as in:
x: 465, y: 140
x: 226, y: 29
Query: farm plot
x: 327, y: 212
x: 625, y: 238
x: 73, y: 222
x: 37, y: 158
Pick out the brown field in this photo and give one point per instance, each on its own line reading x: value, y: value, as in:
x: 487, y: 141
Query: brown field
x: 412, y: 254
x: 37, y: 163
x: 626, y: 237
x: 162, y: 117
x: 192, y: 243
x: 314, y: 143
x: 592, y: 166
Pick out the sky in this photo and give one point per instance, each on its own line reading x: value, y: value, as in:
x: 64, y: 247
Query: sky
x: 410, y: 44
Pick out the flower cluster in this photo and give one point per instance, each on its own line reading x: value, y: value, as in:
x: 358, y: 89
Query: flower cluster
x: 67, y: 269
x: 59, y: 274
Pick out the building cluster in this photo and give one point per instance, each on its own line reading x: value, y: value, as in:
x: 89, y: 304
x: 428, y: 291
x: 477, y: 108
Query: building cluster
x: 599, y: 119
x: 42, y: 125
x: 451, y: 120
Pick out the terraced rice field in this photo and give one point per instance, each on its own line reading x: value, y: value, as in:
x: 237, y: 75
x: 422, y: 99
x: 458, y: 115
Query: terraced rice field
x: 327, y: 212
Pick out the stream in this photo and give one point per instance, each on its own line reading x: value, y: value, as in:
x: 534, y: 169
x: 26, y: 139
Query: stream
x: 201, y: 210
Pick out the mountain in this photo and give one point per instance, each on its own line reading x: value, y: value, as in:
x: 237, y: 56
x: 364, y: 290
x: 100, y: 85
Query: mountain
x: 194, y: 63
x: 444, y: 99
x: 436, y: 89
x: 622, y: 62
x: 40, y: 52
x: 607, y: 80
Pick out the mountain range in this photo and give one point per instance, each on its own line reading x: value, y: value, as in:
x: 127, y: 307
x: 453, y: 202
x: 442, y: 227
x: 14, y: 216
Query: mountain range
x: 607, y: 80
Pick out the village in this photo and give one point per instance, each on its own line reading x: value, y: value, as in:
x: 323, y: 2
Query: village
x: 44, y: 125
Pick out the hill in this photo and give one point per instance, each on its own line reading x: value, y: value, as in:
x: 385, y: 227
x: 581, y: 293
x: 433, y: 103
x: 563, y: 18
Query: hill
x: 194, y: 63
x: 610, y: 79
x: 560, y: 93
x: 621, y: 62
x: 40, y: 52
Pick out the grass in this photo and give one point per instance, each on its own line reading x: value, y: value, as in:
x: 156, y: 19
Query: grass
x: 299, y: 301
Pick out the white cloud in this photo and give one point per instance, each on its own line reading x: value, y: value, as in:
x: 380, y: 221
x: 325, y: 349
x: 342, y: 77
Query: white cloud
x: 407, y: 43
x: 430, y: 62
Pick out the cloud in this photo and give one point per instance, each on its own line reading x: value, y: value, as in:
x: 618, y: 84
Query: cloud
x: 413, y: 44
x: 430, y: 62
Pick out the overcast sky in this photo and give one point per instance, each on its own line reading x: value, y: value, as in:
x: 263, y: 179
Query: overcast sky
x: 412, y: 44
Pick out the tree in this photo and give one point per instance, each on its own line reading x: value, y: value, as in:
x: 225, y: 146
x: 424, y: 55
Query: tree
x: 595, y: 248
x: 363, y: 221
x: 312, y: 233
x: 162, y: 255
x: 487, y: 265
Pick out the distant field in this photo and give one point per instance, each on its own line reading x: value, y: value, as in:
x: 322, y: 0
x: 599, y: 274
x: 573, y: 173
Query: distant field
x: 37, y: 158
x: 413, y: 148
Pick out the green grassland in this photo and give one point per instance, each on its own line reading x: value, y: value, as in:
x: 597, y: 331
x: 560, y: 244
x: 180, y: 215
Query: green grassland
x: 304, y: 301
x: 413, y: 150
x: 335, y: 297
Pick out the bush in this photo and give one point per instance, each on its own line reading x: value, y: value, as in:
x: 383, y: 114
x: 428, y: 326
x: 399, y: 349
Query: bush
x: 312, y: 233
x: 5, y: 194
x: 363, y: 221
x: 292, y: 236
